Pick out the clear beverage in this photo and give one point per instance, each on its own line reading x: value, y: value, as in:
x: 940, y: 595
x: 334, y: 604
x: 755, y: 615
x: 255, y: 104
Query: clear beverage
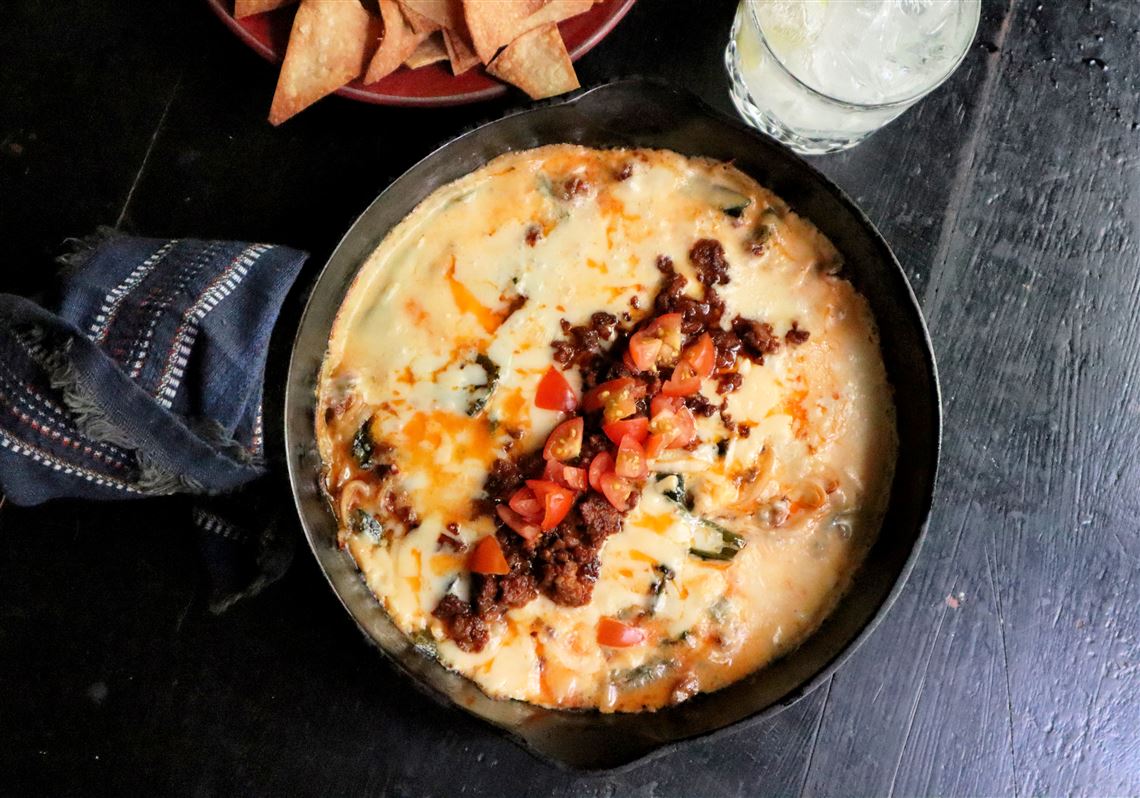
x: 822, y: 75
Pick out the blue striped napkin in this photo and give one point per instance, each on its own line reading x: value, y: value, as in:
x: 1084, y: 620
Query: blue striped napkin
x: 146, y: 377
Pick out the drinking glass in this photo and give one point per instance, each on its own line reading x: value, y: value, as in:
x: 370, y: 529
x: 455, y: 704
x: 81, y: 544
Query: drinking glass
x: 822, y: 75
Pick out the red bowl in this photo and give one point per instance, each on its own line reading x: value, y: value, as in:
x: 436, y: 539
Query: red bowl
x: 431, y: 85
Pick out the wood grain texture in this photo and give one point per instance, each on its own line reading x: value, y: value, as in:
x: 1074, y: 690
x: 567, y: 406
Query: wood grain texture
x: 1012, y: 197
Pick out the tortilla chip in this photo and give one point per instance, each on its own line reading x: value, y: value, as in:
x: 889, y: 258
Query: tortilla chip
x: 329, y: 45
x: 399, y: 42
x: 427, y: 52
x: 537, y: 62
x: 445, y: 13
x: 419, y: 23
x: 459, y: 50
x: 247, y: 8
x: 495, y: 23
x: 556, y: 11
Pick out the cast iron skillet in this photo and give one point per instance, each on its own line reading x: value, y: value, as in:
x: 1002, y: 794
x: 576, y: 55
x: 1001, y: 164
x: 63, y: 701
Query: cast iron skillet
x: 639, y: 113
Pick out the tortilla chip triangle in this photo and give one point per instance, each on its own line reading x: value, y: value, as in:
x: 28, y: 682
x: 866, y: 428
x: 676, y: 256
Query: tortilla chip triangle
x: 445, y: 13
x: 397, y: 44
x: 459, y: 50
x: 247, y: 8
x: 537, y: 62
x: 494, y: 24
x: 429, y: 51
x: 328, y: 46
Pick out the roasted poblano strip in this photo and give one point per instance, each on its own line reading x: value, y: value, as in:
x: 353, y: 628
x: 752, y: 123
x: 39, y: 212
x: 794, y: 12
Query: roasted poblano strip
x: 365, y: 522
x: 665, y: 574
x: 643, y: 675
x: 673, y: 488
x: 733, y: 543
x: 482, y: 393
x: 731, y: 202
x: 362, y: 446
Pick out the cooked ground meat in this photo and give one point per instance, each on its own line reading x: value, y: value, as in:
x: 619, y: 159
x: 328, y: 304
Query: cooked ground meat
x: 572, y: 188
x: 567, y: 564
x: 626, y: 171
x: 594, y: 444
x: 727, y: 383
x: 502, y: 479
x: 700, y: 405
x: 461, y: 623
x: 566, y: 561
x: 758, y: 337
x: 708, y: 256
x: 795, y: 336
x: 727, y: 345
x: 584, y: 342
x: 533, y: 233
x: 698, y: 314
x: 600, y: 518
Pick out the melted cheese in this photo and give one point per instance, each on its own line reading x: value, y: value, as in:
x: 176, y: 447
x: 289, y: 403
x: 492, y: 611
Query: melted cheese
x: 806, y: 488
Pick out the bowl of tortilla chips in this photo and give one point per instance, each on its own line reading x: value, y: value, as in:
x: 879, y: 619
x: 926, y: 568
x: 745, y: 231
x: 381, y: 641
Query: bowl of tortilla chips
x: 419, y: 52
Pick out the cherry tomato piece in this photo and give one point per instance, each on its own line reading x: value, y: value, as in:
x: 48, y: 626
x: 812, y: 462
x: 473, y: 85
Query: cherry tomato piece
x: 565, y: 442
x: 638, y: 427
x: 555, y: 393
x: 662, y: 402
x: 683, y: 382
x: 616, y: 398
x: 656, y: 444
x: 615, y: 634
x: 556, y: 501
x: 643, y: 350
x: 568, y: 476
x: 525, y: 503
x: 602, y: 463
x: 701, y: 356
x: 630, y: 462
x: 487, y: 557
x: 616, y: 489
x: 525, y: 528
x: 667, y: 330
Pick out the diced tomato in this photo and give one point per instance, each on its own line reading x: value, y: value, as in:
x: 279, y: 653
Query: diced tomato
x: 667, y: 330
x: 525, y: 503
x: 527, y: 529
x: 701, y: 356
x: 686, y: 429
x: 630, y: 461
x: 616, y: 490
x: 565, y: 443
x: 616, y: 398
x: 656, y: 444
x: 683, y: 382
x: 638, y: 427
x: 569, y: 476
x: 627, y: 359
x: 487, y: 557
x: 556, y: 501
x: 643, y: 350
x: 615, y: 634
x: 602, y: 463
x: 555, y: 393
x: 676, y: 428
x: 662, y: 402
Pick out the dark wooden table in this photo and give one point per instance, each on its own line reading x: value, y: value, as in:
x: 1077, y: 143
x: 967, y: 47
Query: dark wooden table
x: 1009, y: 664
